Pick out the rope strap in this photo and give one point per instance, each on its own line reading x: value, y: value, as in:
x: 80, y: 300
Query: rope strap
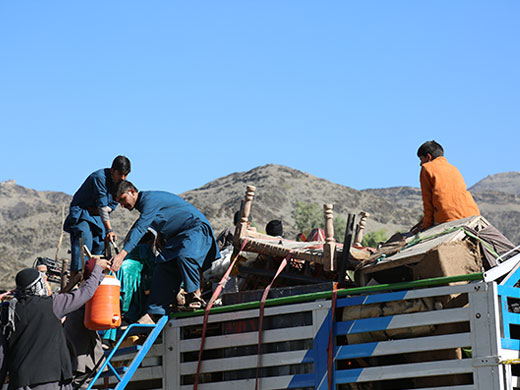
x: 283, y: 264
x: 214, y: 297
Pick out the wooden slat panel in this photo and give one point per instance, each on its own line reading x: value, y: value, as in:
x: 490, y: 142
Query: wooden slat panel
x: 244, y: 362
x: 463, y: 387
x: 404, y: 295
x: 248, y: 338
x: 145, y: 373
x: 403, y: 321
x: 155, y: 351
x: 270, y: 383
x: 155, y: 361
x: 445, y: 367
x: 253, y: 313
x: 419, y: 344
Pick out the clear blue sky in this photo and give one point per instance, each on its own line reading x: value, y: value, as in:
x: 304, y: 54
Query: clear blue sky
x: 195, y: 90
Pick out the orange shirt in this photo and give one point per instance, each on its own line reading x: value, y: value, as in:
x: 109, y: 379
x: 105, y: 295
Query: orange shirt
x: 444, y: 193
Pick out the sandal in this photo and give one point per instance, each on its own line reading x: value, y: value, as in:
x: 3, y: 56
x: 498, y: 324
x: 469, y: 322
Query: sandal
x: 193, y: 301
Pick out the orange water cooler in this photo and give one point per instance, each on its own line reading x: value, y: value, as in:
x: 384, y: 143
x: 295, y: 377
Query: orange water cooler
x: 103, y: 310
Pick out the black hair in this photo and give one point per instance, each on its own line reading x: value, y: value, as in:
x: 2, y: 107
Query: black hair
x: 430, y: 147
x: 236, y: 217
x: 122, y: 187
x: 274, y: 228
x: 122, y: 165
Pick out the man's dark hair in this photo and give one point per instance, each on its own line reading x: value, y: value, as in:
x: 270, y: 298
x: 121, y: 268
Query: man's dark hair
x: 236, y: 217
x: 122, y: 187
x: 122, y: 165
x: 430, y: 147
x: 274, y: 228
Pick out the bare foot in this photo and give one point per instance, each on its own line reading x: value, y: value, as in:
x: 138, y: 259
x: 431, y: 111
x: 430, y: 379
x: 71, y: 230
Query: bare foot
x: 146, y: 319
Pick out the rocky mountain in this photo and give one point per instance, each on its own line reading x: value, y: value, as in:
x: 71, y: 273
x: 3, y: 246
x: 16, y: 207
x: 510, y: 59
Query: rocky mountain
x: 499, y: 208
x: 31, y: 221
x: 31, y: 224
x: 507, y: 182
x: 279, y: 188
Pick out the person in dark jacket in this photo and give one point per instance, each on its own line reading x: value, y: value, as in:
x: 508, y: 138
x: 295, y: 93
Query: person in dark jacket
x: 33, y: 348
x: 90, y: 208
x: 185, y: 239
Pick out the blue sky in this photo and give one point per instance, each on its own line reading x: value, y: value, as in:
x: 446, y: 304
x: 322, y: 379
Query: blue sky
x: 195, y: 90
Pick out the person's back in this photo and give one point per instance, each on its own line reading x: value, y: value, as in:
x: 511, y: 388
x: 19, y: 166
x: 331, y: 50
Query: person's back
x: 444, y: 193
x: 34, y: 317
x: 185, y: 241
x: 87, y: 195
x: 174, y: 216
x: 33, y: 348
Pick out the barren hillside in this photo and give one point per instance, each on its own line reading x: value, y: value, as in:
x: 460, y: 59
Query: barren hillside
x: 30, y: 221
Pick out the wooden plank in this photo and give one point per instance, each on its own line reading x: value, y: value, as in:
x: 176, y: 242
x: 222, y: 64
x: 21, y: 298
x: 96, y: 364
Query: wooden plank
x: 253, y: 313
x: 388, y: 264
x: 398, y: 371
x: 463, y: 387
x: 146, y: 373
x: 243, y: 362
x: 269, y: 383
x: 276, y: 250
x: 392, y: 347
x: 405, y: 295
x: 248, y: 338
x: 152, y: 361
x: 403, y: 321
x: 155, y: 351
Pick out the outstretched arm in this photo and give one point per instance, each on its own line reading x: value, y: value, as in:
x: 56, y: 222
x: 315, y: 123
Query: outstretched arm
x: 63, y: 304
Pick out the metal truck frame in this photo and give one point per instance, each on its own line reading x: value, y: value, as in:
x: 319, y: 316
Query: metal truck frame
x: 297, y: 331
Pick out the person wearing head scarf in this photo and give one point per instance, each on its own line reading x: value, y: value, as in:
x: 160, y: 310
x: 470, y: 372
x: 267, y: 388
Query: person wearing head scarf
x: 33, y: 350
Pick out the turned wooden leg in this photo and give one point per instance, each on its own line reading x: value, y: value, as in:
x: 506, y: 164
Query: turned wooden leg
x: 242, y: 226
x: 363, y: 216
x: 330, y: 244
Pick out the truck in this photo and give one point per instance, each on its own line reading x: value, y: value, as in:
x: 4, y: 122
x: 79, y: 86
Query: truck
x: 306, y: 342
x: 437, y: 311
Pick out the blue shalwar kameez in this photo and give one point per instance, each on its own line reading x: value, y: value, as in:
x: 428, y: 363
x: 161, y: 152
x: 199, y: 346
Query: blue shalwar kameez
x: 95, y: 192
x: 190, y: 245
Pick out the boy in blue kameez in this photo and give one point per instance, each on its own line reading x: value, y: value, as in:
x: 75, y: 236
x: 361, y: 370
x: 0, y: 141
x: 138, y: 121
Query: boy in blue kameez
x: 186, y: 242
x: 89, y: 215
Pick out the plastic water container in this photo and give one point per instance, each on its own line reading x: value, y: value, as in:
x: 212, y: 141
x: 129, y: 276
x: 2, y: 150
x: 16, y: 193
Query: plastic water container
x: 103, y: 310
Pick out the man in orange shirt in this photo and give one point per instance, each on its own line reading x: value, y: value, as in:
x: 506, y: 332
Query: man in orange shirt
x: 444, y: 193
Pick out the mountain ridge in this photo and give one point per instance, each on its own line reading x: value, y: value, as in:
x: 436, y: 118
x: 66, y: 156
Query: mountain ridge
x: 31, y: 221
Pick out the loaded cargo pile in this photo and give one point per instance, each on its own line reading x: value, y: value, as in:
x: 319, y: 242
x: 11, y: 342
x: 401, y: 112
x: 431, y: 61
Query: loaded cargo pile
x: 438, y: 310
